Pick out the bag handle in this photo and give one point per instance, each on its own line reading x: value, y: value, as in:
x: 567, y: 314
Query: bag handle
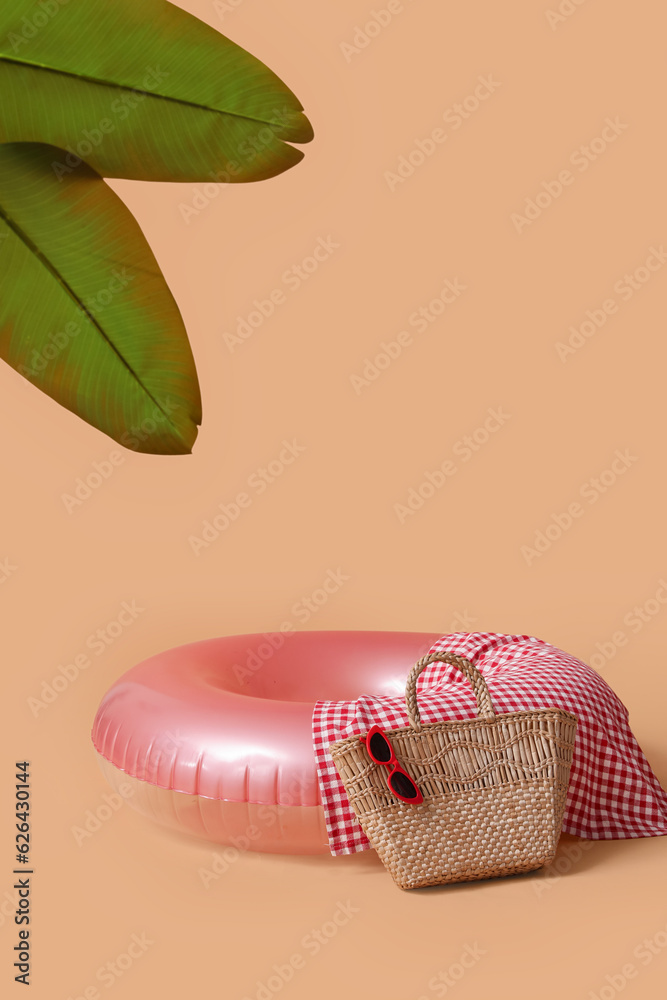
x: 482, y: 696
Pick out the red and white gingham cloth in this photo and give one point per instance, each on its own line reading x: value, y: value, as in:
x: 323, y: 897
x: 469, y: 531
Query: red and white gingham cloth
x: 613, y: 792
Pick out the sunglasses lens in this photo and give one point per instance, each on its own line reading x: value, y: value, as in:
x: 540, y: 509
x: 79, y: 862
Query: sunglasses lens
x: 379, y: 748
x: 402, y: 785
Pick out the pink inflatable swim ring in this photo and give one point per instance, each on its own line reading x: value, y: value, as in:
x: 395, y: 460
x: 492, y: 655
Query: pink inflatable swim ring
x: 214, y: 738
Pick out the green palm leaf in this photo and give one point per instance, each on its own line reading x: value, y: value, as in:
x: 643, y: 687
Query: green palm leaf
x: 85, y: 313
x: 142, y: 89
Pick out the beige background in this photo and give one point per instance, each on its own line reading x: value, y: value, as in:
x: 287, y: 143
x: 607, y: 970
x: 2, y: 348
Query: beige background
x: 458, y: 557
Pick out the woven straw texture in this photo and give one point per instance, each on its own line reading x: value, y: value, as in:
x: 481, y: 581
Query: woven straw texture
x: 494, y: 789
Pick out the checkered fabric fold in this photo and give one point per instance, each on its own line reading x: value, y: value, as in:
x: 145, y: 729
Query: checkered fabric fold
x: 613, y: 792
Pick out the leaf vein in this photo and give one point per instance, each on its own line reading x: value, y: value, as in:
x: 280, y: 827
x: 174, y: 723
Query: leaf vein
x: 127, y: 86
x: 62, y: 281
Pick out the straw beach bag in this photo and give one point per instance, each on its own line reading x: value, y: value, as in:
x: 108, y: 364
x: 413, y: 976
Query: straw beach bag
x: 462, y: 800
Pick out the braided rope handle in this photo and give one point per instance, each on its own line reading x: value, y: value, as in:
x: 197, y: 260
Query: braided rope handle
x: 482, y: 696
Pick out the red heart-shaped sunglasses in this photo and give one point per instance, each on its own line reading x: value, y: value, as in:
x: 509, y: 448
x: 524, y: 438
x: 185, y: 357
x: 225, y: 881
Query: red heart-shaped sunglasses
x: 381, y: 751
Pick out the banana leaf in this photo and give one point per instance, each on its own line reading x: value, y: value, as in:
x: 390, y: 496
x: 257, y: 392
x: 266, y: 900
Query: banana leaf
x: 85, y: 313
x: 142, y: 89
